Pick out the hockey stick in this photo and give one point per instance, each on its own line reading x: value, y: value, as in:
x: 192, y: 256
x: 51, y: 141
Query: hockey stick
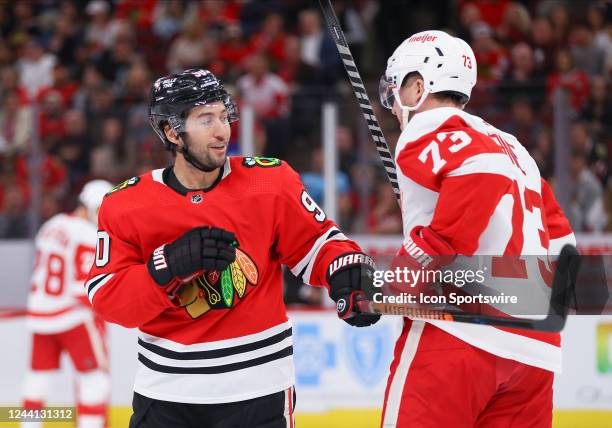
x: 562, y: 293
x: 360, y: 92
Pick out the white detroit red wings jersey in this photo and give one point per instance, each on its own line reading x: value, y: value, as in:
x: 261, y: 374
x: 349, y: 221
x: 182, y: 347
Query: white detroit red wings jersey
x: 65, y: 248
x: 233, y: 340
x: 481, y: 191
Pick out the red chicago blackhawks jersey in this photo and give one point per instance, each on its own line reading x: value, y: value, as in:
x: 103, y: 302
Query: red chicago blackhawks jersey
x: 232, y: 341
x: 481, y: 191
x: 64, y: 254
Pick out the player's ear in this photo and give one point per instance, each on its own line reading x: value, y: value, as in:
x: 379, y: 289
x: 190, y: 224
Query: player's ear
x: 171, y: 134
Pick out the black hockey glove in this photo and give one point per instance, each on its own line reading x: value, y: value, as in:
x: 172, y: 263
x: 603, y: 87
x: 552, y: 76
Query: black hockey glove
x: 198, y: 250
x: 350, y: 278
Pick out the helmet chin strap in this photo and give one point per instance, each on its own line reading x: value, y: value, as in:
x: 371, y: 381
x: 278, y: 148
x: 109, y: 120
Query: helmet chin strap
x: 407, y: 109
x: 184, y: 150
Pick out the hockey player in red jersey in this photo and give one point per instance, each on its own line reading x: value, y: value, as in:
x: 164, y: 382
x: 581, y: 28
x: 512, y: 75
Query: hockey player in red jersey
x: 191, y: 255
x: 60, y: 316
x: 466, y: 188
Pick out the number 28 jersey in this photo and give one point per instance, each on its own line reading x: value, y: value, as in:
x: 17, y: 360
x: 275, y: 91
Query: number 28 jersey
x: 232, y: 340
x: 65, y: 247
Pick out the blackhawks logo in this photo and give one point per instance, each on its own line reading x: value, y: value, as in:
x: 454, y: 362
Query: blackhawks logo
x: 124, y: 185
x: 250, y: 162
x: 220, y: 290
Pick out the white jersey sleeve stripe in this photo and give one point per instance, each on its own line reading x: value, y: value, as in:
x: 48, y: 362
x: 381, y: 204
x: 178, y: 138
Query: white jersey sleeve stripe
x: 305, y: 266
x: 96, y: 283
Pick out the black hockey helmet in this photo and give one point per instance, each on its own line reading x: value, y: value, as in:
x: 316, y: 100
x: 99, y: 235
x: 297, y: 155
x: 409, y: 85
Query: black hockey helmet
x: 172, y: 97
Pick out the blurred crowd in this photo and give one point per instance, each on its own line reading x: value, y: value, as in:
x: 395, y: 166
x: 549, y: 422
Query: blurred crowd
x: 75, y: 77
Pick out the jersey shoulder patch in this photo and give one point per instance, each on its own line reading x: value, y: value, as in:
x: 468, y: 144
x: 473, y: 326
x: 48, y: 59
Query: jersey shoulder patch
x: 262, y: 162
x: 124, y: 185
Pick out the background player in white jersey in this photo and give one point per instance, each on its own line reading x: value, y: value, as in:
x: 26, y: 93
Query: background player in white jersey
x: 466, y: 188
x: 60, y: 317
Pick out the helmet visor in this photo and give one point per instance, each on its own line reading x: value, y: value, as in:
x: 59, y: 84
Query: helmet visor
x: 385, y: 92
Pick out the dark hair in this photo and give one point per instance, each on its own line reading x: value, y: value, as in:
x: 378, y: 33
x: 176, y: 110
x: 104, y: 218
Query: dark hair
x: 456, y: 98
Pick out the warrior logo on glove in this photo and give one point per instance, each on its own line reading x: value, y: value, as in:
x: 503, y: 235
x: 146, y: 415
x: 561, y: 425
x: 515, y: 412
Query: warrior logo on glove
x: 219, y: 290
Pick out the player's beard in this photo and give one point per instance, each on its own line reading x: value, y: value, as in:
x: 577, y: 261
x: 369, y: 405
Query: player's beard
x: 203, y: 159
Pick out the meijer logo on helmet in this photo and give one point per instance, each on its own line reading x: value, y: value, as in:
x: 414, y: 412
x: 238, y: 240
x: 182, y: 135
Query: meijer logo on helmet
x: 423, y: 38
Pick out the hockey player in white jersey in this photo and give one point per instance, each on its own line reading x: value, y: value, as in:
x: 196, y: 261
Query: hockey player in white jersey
x: 467, y: 188
x: 60, y: 318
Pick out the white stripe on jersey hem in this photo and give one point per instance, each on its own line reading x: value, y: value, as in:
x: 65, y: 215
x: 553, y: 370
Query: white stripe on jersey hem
x: 194, y: 400
x: 94, y: 290
x: 394, y: 398
x: 220, y: 361
x: 508, y: 345
x: 219, y: 344
x: 486, y: 163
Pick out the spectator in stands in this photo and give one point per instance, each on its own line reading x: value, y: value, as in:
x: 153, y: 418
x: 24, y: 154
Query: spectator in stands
x: 16, y: 124
x: 13, y: 221
x: 598, y: 110
x: 316, y: 46
x: 515, y: 24
x: 102, y: 27
x: 521, y: 80
x: 65, y: 39
x: 491, y: 58
x: 168, y: 18
x: 61, y: 84
x: 585, y: 53
x: 542, y: 153
x: 594, y: 150
x: 560, y: 22
x: 523, y: 123
x: 268, y: 95
x: 270, y: 40
x: 35, y: 67
x: 572, y: 80
x: 9, y: 83
x: 586, y: 212
x: 469, y: 15
x: 114, y: 62
x: 353, y: 26
x: 233, y: 51
x: 102, y: 106
x: 74, y: 148
x: 544, y: 45
x: 108, y: 158
x: 189, y: 49
x: 51, y: 120
x: 602, y: 30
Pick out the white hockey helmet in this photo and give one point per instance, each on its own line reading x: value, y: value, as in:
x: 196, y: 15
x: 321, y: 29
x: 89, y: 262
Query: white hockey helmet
x: 91, y: 197
x: 446, y: 63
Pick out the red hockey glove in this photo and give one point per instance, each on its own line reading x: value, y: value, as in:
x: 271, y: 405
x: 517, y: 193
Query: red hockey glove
x: 349, y: 277
x: 202, y: 248
x: 424, y: 250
